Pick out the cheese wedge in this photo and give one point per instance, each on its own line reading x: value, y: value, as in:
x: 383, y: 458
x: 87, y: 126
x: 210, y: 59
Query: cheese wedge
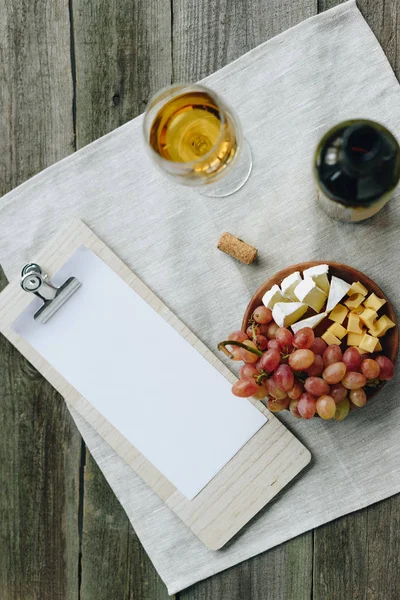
x: 354, y: 324
x: 378, y: 347
x: 374, y: 302
x: 338, y: 289
x: 368, y: 317
x: 338, y: 330
x: 381, y: 326
x: 273, y: 296
x: 357, y: 288
x: 368, y: 343
x: 338, y: 314
x: 308, y: 292
x: 354, y: 339
x: 309, y: 322
x: 319, y: 274
x: 289, y: 284
x: 354, y: 301
x: 358, y: 310
x: 361, y: 351
x: 330, y: 339
x: 286, y: 313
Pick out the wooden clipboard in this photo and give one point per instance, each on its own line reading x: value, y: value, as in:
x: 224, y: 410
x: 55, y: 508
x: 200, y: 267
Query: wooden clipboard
x: 267, y: 462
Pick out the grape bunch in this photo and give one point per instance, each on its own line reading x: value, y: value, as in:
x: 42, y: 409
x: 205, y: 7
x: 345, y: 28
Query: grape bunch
x: 300, y: 372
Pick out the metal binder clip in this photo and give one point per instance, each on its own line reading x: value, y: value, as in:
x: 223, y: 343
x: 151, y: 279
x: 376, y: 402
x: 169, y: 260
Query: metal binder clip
x: 33, y: 280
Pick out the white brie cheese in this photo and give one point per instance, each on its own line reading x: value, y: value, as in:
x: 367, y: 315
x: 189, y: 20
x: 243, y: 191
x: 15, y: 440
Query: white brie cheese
x: 286, y: 313
x: 319, y: 274
x: 339, y: 288
x: 308, y: 292
x: 288, y: 285
x: 309, y: 322
x: 273, y: 296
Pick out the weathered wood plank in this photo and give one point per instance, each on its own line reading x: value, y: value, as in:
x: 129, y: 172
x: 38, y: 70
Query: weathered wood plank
x: 122, y: 55
x: 40, y: 448
x: 283, y: 573
x: 206, y: 36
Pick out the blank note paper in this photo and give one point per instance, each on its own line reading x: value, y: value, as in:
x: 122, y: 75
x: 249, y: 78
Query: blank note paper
x: 173, y: 406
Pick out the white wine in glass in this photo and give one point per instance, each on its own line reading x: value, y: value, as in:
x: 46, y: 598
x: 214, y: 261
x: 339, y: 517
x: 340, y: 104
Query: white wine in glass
x: 196, y: 139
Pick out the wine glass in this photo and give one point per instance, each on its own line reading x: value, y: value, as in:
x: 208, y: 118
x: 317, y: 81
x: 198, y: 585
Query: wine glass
x: 196, y: 139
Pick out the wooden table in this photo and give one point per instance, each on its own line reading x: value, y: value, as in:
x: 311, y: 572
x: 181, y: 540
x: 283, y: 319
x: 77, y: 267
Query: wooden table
x: 71, y: 71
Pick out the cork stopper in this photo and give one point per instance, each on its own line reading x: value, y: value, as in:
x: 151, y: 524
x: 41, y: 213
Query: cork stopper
x: 237, y: 248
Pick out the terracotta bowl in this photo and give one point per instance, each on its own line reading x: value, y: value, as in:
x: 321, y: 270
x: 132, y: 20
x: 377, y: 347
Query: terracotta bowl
x: 390, y: 341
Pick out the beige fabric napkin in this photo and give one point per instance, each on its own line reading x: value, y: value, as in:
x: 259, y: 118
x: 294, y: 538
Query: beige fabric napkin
x: 287, y: 92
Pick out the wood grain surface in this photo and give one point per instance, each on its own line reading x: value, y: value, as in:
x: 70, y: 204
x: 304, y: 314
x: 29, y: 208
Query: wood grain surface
x: 73, y: 66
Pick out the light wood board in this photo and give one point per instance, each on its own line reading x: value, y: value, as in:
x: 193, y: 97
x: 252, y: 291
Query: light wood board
x: 271, y: 458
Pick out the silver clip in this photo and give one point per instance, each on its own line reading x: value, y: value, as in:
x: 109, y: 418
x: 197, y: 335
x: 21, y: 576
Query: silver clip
x: 34, y: 281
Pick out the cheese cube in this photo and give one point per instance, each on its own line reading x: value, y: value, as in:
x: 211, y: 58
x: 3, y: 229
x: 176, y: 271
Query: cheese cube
x: 381, y: 326
x: 354, y: 301
x: 354, y: 324
x: 378, y: 347
x: 374, y: 302
x: 357, y: 288
x: 289, y: 284
x: 338, y: 314
x: 319, y: 274
x: 338, y: 289
x: 358, y: 310
x: 368, y: 343
x: 273, y: 296
x: 354, y: 339
x: 308, y: 292
x: 310, y: 322
x: 286, y: 313
x: 338, y: 330
x: 329, y: 338
x: 361, y: 351
x: 368, y: 317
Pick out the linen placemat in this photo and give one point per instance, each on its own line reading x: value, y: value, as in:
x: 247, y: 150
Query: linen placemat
x: 287, y: 93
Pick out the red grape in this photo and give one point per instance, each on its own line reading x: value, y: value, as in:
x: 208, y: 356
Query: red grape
x: 251, y: 333
x: 249, y: 357
x: 304, y: 338
x: 296, y: 390
x: 358, y: 397
x: 247, y: 371
x: 353, y: 380
x: 237, y: 336
x: 264, y: 329
x: 342, y: 409
x: 300, y: 360
x: 326, y: 407
x: 338, y: 392
x: 275, y: 405
x: 316, y: 386
x: 274, y: 344
x: 387, y: 368
x: 332, y: 354
x: 244, y: 388
x: 274, y: 389
x: 272, y: 329
x: 317, y: 367
x: 319, y: 346
x: 284, y: 337
x: 352, y: 359
x: 370, y: 368
x: 270, y: 360
x: 306, y: 405
x: 284, y: 377
x: 334, y: 372
x: 293, y: 408
x: 262, y: 315
x: 261, y: 342
x: 235, y: 352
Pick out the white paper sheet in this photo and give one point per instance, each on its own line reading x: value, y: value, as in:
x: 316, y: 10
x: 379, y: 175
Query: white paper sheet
x: 145, y: 378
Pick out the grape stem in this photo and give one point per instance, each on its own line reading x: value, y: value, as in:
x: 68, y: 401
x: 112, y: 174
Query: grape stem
x: 261, y: 376
x: 222, y: 347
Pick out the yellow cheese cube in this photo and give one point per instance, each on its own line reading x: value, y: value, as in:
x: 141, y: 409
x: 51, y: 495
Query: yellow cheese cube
x: 329, y: 338
x: 381, y: 326
x: 338, y: 314
x: 361, y: 351
x: 354, y: 324
x: 354, y: 339
x: 368, y: 343
x: 378, y: 347
x: 354, y: 301
x: 368, y: 316
x: 374, y: 302
x: 358, y: 310
x: 338, y: 330
x: 357, y: 288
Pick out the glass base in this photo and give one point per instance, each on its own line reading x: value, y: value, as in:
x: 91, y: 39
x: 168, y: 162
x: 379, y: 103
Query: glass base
x: 235, y: 179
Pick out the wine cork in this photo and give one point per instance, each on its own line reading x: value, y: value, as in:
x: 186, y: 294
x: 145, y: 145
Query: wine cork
x: 237, y: 248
